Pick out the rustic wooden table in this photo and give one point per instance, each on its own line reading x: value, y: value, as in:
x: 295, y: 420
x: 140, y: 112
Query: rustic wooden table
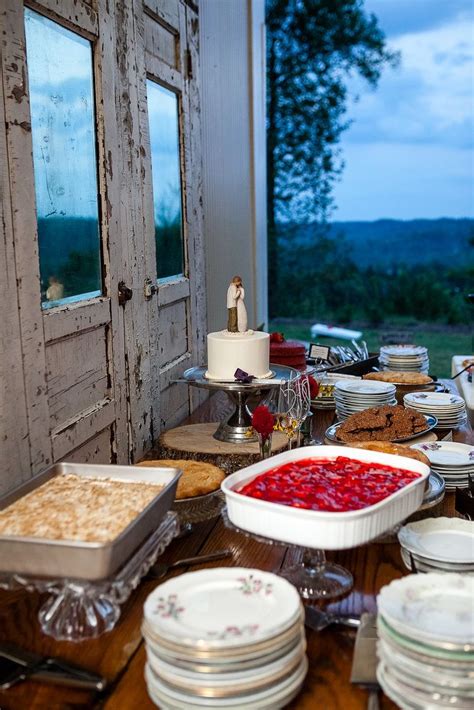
x: 120, y: 654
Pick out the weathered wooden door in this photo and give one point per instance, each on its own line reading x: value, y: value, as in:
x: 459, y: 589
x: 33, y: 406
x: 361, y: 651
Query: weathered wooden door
x: 162, y: 70
x: 58, y: 77
x: 94, y: 94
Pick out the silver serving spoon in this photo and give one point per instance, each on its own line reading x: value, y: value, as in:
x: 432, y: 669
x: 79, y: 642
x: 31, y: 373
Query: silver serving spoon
x: 159, y: 569
x: 317, y: 619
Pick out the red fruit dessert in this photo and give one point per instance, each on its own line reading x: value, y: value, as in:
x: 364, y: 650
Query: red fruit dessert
x: 289, y: 352
x: 333, y: 485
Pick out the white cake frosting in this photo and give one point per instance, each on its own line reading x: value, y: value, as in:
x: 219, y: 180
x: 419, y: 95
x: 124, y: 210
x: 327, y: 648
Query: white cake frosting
x: 249, y: 351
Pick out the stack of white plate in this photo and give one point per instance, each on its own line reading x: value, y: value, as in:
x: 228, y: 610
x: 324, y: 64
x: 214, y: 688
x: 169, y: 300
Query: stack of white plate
x: 224, y: 638
x: 426, y: 641
x: 449, y: 409
x: 438, y: 545
x: 327, y: 381
x: 404, y: 358
x: 354, y: 396
x: 452, y: 460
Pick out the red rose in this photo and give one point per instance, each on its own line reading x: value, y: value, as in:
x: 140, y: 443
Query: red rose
x: 313, y: 387
x: 263, y: 421
x: 277, y: 338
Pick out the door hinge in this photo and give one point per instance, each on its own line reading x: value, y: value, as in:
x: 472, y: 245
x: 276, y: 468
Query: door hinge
x: 124, y: 293
x: 150, y: 289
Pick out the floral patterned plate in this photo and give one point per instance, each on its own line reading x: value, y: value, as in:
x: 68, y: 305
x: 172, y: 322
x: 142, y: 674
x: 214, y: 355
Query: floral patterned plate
x: 222, y: 608
x: 448, y: 453
x: 435, y: 609
x: 435, y: 399
x: 274, y: 696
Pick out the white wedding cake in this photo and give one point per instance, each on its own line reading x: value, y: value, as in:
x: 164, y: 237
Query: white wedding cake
x: 226, y: 352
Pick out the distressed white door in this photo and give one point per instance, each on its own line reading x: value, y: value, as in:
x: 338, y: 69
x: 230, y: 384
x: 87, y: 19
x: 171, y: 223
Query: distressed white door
x: 91, y: 379
x: 162, y: 70
x: 61, y: 199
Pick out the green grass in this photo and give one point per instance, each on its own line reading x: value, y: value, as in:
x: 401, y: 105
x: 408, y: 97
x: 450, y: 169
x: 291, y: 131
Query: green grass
x: 442, y: 342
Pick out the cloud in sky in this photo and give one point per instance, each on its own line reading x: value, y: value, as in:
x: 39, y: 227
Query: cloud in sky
x: 420, y: 119
x: 62, y: 119
x: 400, y: 17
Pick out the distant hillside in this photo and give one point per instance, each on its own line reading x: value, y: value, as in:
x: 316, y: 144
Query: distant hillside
x: 389, y: 241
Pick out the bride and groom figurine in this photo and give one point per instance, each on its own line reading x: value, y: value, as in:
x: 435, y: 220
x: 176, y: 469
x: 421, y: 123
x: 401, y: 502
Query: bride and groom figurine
x: 236, y: 311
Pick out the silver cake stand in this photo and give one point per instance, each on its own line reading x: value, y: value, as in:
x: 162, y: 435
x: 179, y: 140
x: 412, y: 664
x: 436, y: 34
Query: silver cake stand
x: 235, y: 429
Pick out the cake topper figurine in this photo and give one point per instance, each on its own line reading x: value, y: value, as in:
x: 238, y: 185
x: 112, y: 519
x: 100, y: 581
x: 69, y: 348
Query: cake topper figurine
x: 236, y: 311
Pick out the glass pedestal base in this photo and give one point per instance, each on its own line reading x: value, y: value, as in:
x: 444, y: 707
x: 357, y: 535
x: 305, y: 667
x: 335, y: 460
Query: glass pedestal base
x: 315, y: 578
x: 76, y: 609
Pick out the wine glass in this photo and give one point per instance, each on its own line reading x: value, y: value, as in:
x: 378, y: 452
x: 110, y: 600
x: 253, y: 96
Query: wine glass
x: 290, y: 408
x: 305, y: 392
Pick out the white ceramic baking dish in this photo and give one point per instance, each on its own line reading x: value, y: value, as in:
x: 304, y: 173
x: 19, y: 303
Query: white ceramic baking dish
x: 323, y: 530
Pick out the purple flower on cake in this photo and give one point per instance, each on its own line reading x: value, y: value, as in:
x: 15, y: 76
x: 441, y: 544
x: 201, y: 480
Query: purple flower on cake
x: 243, y: 377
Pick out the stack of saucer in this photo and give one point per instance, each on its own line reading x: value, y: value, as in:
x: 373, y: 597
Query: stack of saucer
x: 452, y: 460
x: 449, y: 409
x: 404, y: 358
x: 425, y: 627
x: 354, y: 396
x: 224, y: 638
x: 438, y: 545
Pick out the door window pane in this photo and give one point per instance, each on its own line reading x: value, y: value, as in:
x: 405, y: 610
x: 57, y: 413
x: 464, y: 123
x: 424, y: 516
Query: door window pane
x: 64, y: 155
x: 164, y: 141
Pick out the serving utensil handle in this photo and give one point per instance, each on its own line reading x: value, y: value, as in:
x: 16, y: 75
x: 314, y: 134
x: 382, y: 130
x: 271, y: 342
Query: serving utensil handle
x: 200, y: 559
x: 54, y: 670
x: 352, y: 621
x: 373, y: 700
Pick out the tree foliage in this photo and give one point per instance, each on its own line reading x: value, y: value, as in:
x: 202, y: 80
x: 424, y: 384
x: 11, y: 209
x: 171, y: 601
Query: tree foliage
x: 314, y: 46
x: 331, y: 285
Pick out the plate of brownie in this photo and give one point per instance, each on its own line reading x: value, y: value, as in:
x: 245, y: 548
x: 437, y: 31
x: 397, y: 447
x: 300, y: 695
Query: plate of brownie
x: 386, y: 423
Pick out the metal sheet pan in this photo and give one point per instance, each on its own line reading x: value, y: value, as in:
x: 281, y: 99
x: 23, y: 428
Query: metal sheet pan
x: 86, y: 560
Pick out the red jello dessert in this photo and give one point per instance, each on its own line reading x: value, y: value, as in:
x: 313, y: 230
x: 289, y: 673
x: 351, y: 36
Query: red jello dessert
x: 333, y: 485
x: 287, y: 352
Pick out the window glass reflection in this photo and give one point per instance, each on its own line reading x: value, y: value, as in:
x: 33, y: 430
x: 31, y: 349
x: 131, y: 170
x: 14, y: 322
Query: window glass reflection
x: 60, y: 79
x: 164, y: 141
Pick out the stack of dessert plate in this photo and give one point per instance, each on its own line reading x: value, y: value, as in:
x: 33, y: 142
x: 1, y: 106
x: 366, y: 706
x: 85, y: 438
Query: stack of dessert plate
x: 224, y: 638
x: 404, y: 358
x: 452, y: 460
x: 425, y: 627
x: 354, y: 396
x: 438, y: 545
x: 449, y: 409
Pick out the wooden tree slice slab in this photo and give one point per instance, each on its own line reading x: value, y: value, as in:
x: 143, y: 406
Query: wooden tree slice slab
x: 196, y: 441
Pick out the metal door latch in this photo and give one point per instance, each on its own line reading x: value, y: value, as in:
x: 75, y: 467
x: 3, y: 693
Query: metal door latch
x: 124, y: 293
x: 150, y: 289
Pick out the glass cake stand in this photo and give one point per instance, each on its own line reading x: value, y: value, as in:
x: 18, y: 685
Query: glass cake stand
x: 76, y: 609
x: 313, y: 577
x: 235, y: 429
x: 198, y: 509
